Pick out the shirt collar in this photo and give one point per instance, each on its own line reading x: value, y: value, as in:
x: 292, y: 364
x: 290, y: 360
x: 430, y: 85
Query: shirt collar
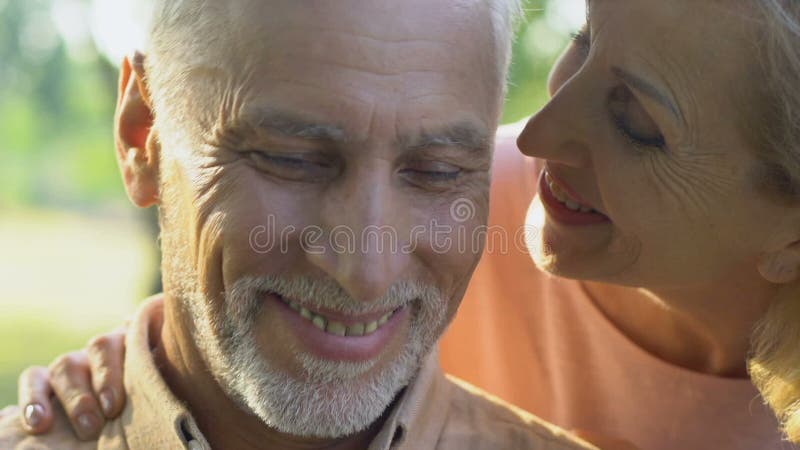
x: 417, y: 419
x: 155, y: 418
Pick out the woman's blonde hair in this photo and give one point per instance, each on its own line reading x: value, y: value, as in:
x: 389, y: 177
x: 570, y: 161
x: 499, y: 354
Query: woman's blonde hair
x: 775, y: 355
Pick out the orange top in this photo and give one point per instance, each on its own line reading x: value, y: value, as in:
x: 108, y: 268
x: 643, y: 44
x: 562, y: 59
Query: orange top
x: 539, y: 342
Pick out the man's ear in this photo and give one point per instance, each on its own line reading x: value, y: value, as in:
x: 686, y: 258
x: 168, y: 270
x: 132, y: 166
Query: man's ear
x: 138, y: 147
x: 781, y: 266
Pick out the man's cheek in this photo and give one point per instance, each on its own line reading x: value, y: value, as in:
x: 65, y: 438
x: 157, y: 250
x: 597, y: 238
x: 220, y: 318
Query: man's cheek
x: 210, y: 250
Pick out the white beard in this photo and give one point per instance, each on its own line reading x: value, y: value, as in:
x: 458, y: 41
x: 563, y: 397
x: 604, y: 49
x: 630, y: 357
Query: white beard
x: 332, y: 399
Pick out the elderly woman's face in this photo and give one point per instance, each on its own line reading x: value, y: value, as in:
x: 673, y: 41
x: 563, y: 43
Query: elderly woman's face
x: 644, y: 137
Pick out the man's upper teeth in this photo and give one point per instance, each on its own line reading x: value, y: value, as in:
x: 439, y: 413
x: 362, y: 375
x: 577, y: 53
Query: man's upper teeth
x: 337, y: 328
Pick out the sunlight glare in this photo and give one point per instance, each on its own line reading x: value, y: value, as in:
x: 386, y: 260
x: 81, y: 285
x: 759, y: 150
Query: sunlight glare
x: 119, y: 26
x: 566, y: 15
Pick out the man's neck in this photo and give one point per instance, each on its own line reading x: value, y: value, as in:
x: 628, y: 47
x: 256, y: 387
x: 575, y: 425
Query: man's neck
x: 223, y: 422
x: 705, y: 329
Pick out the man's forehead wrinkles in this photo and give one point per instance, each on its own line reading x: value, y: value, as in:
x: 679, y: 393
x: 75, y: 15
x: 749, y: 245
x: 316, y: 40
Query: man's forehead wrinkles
x: 380, y: 58
x: 383, y: 72
x: 407, y: 38
x: 351, y: 83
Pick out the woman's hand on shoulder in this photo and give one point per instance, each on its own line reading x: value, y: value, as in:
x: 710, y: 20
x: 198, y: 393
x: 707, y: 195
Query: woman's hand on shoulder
x: 86, y: 383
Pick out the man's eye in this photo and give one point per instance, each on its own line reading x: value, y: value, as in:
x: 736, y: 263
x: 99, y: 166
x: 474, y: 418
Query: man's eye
x: 438, y: 176
x: 435, y: 173
x: 290, y: 166
x: 287, y: 161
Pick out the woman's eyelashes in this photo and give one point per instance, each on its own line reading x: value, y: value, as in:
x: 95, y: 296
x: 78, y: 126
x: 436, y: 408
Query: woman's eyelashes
x: 632, y: 121
x: 582, y: 39
x: 637, y: 140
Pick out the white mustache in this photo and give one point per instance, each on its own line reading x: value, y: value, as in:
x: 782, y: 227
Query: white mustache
x: 327, y: 294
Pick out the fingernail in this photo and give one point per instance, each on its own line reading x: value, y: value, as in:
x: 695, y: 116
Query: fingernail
x: 34, y: 413
x: 88, y: 423
x: 107, y: 401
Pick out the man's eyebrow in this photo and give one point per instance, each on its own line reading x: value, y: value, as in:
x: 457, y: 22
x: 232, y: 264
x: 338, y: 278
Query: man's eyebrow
x: 464, y: 135
x: 292, y: 125
x: 651, y: 91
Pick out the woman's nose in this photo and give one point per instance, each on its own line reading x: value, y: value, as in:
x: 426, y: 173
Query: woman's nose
x: 560, y: 132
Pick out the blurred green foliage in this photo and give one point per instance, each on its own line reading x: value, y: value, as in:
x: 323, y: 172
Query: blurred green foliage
x: 56, y: 112
x: 537, y: 46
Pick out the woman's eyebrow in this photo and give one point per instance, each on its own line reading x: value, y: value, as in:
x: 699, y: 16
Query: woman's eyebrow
x: 648, y: 89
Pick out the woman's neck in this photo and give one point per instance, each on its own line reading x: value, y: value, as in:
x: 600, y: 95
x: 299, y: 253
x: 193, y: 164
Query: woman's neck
x: 701, y: 328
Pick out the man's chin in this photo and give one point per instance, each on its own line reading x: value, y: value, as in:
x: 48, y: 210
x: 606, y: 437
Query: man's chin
x: 329, y: 399
x: 304, y: 388
x: 317, y: 397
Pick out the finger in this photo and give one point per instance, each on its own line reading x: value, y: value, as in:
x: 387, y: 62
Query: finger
x: 34, y: 399
x: 106, y: 356
x: 604, y: 442
x: 71, y: 381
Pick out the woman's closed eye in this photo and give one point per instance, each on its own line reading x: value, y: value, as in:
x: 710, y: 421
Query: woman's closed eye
x: 632, y: 121
x: 627, y: 114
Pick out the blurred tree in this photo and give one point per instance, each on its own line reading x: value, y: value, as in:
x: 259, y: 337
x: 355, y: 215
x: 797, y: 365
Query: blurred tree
x: 56, y: 113
x: 539, y: 42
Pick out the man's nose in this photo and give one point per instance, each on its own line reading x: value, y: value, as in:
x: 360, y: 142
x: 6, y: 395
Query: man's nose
x: 366, y: 249
x: 561, y: 131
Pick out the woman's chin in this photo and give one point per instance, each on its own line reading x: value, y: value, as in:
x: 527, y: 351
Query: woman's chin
x: 590, y: 255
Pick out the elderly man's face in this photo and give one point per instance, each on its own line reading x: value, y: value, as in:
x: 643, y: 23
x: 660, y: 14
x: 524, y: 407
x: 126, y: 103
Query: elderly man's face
x: 312, y: 124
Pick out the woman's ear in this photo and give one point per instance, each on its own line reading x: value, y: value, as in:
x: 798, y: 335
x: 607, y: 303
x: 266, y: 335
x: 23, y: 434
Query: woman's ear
x: 781, y: 266
x: 137, y: 145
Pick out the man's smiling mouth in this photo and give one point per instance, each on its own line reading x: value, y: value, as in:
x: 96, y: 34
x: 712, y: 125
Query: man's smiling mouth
x: 336, y: 326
